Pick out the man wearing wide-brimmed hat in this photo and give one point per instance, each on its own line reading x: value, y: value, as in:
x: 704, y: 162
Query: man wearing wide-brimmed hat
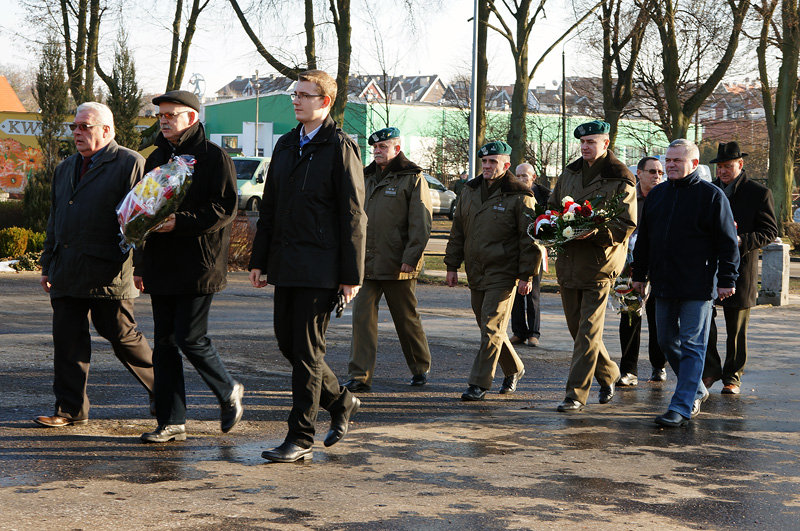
x: 489, y: 235
x: 588, y: 266
x: 754, y: 214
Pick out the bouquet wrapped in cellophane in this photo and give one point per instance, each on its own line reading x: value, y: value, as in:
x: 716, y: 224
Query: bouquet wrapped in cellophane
x: 624, y: 299
x: 153, y: 199
x: 553, y: 228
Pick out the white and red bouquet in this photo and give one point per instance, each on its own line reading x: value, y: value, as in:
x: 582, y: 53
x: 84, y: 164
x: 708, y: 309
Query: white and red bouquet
x: 554, y: 228
x: 153, y: 199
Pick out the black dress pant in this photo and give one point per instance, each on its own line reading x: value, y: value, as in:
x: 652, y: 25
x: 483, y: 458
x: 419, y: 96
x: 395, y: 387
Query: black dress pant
x: 736, y: 321
x: 301, y: 319
x: 181, y: 322
x: 72, y: 348
x: 630, y: 334
x: 526, y: 311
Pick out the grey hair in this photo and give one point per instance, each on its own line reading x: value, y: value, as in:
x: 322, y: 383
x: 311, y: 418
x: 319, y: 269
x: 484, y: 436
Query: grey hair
x: 102, y: 112
x: 692, y: 151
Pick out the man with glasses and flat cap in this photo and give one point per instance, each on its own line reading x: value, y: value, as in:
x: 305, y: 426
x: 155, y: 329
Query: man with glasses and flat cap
x: 83, y: 268
x: 183, y: 264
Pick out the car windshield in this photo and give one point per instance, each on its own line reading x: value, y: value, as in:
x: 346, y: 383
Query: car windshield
x: 245, y: 168
x: 434, y: 182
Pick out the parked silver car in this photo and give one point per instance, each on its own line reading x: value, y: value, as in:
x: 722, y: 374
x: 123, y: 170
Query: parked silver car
x: 250, y: 175
x: 443, y: 200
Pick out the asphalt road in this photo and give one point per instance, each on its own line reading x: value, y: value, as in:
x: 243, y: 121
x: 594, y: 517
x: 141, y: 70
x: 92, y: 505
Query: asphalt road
x: 415, y: 458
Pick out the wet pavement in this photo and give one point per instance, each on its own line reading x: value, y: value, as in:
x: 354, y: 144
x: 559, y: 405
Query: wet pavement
x: 416, y: 458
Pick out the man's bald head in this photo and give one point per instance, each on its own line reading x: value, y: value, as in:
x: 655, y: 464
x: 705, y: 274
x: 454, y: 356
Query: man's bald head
x: 525, y: 174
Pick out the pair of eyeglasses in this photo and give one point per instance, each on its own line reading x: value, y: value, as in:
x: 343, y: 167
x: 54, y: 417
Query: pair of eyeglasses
x: 82, y: 126
x: 169, y: 115
x: 303, y: 96
x: 653, y: 172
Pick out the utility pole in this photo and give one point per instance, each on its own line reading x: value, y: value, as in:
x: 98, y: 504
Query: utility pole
x: 473, y: 91
x: 257, y: 91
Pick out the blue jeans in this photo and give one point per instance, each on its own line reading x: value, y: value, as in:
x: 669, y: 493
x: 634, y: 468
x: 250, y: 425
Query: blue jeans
x: 683, y: 326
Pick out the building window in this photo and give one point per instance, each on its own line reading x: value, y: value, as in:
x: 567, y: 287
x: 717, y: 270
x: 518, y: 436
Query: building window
x: 230, y: 142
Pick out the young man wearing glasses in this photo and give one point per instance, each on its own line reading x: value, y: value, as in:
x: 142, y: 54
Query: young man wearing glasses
x: 83, y: 268
x: 310, y: 245
x: 649, y: 173
x: 183, y: 264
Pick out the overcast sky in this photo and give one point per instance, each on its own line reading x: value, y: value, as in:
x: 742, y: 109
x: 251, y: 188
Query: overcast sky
x: 440, y: 44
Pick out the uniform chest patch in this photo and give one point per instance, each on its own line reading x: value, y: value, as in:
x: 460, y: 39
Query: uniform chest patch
x: 499, y: 208
x: 391, y: 191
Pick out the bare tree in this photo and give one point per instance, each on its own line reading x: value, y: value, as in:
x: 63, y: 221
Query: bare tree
x: 179, y: 51
x: 781, y: 32
x: 520, y: 12
x: 667, y: 86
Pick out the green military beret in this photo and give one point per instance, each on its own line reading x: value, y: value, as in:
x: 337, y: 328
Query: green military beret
x: 596, y: 127
x: 498, y: 147
x: 384, y: 134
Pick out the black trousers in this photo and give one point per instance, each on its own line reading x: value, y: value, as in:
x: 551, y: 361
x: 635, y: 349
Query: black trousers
x: 181, y: 322
x: 630, y: 335
x: 526, y: 312
x: 736, y: 321
x: 301, y: 319
x: 72, y: 348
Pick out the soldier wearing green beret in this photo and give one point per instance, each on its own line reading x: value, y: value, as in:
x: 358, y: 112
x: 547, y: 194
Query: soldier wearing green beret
x: 489, y: 235
x: 399, y: 217
x: 587, y: 267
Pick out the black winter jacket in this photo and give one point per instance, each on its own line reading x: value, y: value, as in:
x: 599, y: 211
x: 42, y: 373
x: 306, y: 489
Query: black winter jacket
x: 193, y: 258
x: 311, y: 231
x: 754, y: 213
x: 687, y: 241
x: 82, y: 257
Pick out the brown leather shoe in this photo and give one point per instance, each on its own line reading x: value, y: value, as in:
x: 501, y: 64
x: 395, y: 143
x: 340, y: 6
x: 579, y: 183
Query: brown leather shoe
x: 57, y: 421
x: 708, y: 382
x: 730, y: 389
x: 516, y: 340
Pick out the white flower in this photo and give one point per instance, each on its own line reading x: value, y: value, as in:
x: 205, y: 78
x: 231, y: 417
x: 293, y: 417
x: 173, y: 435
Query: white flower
x: 600, y: 212
x: 566, y: 200
x: 568, y: 233
x: 569, y: 216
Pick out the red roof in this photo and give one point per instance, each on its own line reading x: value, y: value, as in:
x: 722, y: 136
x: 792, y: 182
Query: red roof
x: 8, y: 98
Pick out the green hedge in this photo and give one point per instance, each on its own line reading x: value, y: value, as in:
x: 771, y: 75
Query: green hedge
x: 13, y: 242
x: 11, y: 214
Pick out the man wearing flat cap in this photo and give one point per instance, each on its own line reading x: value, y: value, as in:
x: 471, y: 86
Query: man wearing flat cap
x: 587, y: 267
x: 489, y: 235
x: 183, y: 264
x: 399, y: 216
x: 754, y: 214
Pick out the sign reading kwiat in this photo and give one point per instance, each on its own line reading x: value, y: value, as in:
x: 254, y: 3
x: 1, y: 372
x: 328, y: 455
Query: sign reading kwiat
x: 34, y: 127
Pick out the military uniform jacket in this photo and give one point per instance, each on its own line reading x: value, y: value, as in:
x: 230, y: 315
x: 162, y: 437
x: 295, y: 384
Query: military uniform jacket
x: 754, y: 214
x: 82, y: 256
x: 399, y: 217
x: 311, y: 229
x: 597, y: 260
x: 491, y: 236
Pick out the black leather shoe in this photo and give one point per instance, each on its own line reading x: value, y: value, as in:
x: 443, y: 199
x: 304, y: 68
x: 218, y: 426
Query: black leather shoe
x: 341, y: 421
x: 659, y: 375
x: 355, y: 386
x: 569, y: 406
x: 287, y: 453
x: 510, y: 382
x: 473, y: 394
x: 671, y: 419
x: 699, y: 402
x: 606, y: 394
x: 419, y: 379
x: 628, y: 380
x: 232, y: 410
x: 165, y: 433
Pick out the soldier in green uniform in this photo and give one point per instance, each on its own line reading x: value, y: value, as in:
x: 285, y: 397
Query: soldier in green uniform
x: 399, y: 216
x: 489, y: 235
x: 588, y: 266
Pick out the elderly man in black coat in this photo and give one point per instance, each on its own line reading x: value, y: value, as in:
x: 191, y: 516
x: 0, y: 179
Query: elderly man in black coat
x: 754, y: 214
x: 183, y: 264
x: 83, y: 268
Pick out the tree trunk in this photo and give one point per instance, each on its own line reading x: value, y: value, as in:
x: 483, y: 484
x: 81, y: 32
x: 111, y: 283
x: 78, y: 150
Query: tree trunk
x: 175, y: 49
x: 92, y: 38
x: 311, y: 45
x: 482, y: 75
x: 341, y: 20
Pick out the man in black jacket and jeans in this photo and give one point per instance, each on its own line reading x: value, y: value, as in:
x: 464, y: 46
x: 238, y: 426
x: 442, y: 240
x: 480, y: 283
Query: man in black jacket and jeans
x: 310, y: 244
x: 183, y: 264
